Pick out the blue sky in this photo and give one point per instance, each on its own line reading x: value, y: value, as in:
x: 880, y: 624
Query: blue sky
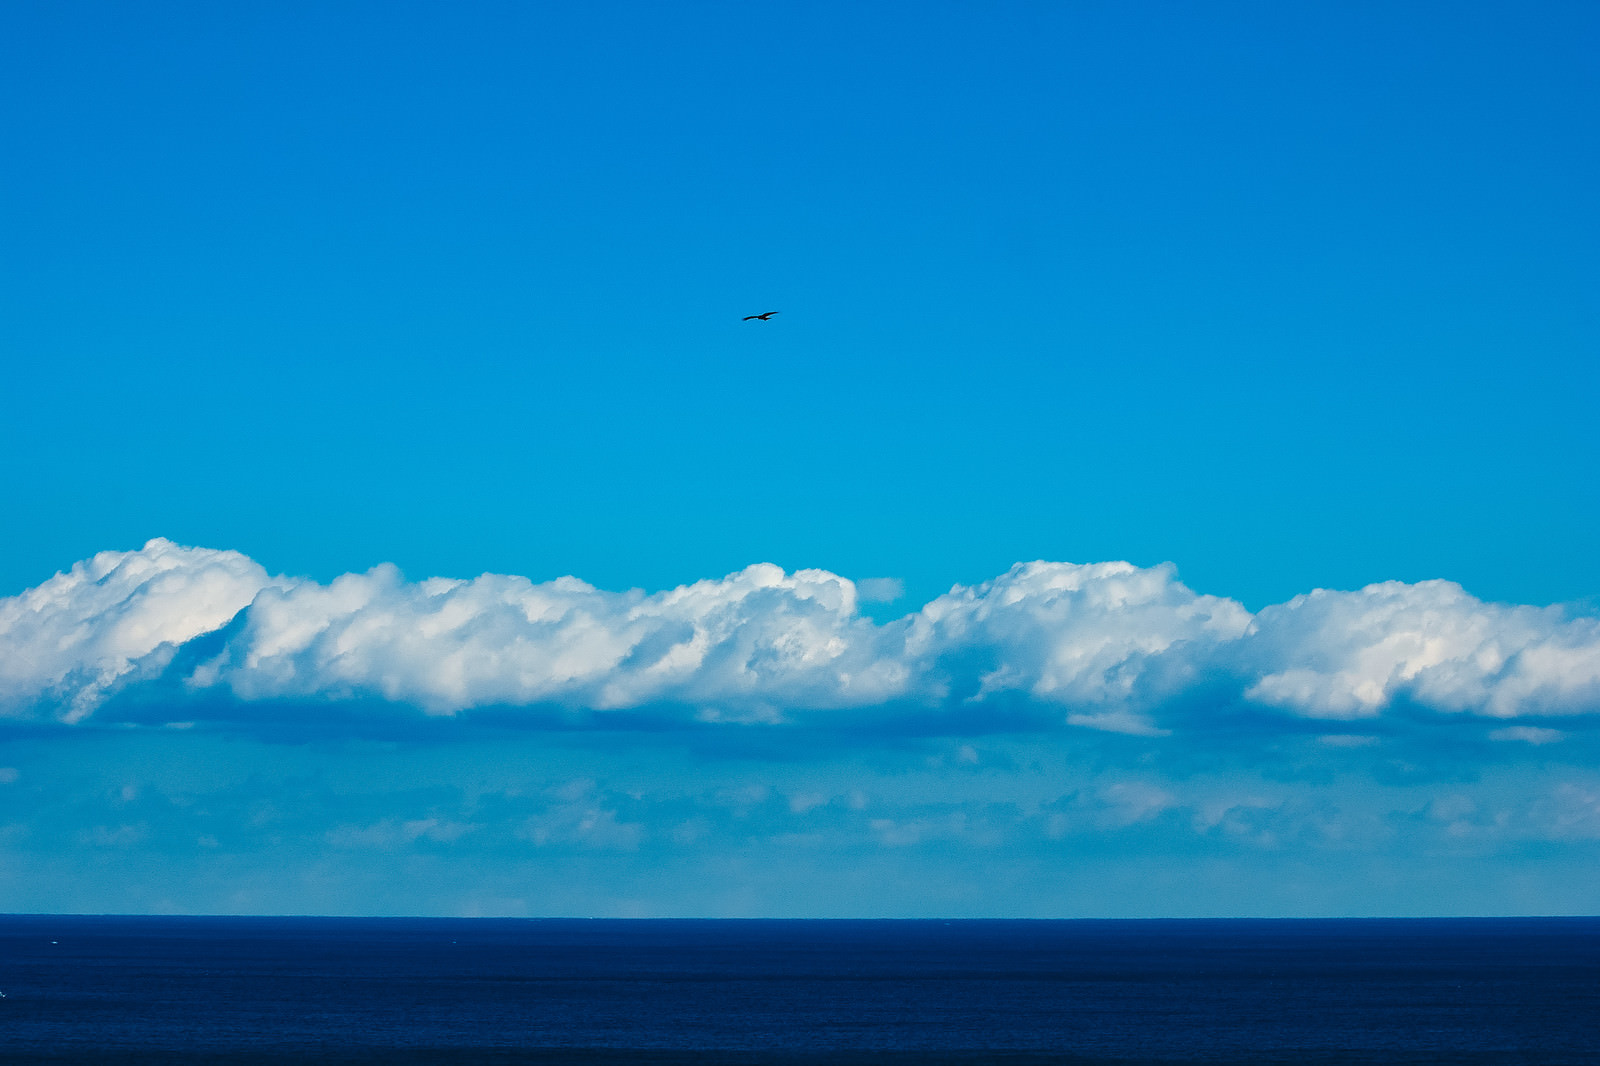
x: 1291, y: 297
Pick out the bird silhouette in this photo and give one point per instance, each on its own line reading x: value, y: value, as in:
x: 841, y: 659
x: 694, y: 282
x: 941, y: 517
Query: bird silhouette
x: 763, y: 318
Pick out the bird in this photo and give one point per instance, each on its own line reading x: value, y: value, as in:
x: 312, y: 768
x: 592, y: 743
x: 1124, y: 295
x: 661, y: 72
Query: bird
x: 763, y: 317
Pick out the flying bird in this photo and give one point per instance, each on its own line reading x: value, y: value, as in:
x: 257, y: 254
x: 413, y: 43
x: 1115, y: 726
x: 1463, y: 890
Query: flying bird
x: 762, y: 318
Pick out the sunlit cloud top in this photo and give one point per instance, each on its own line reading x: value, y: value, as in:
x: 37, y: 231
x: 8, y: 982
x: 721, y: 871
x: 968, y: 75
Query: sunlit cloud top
x: 1107, y: 645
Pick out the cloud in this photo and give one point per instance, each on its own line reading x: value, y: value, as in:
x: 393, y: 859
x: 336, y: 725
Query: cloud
x: 1131, y: 802
x: 1107, y: 636
x: 1528, y: 734
x: 122, y: 836
x: 1347, y: 740
x: 391, y: 833
x: 880, y: 589
x: 1352, y: 654
x: 1108, y: 646
x: 72, y: 639
x: 757, y: 636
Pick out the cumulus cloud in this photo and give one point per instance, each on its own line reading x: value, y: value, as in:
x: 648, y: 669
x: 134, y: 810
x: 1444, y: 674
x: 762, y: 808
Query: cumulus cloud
x: 759, y: 635
x: 1105, y: 645
x: 72, y: 639
x: 1351, y: 654
x: 1102, y: 635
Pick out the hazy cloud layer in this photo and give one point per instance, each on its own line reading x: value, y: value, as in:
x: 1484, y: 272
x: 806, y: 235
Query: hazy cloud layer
x: 1047, y: 824
x: 1107, y: 644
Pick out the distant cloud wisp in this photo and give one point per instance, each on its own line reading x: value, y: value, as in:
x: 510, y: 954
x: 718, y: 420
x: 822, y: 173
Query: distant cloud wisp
x: 1107, y: 644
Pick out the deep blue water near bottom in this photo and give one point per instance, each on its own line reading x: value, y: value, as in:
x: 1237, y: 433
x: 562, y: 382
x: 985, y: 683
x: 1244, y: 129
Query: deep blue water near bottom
x: 271, y: 990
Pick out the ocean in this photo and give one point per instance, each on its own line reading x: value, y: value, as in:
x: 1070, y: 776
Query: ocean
x: 424, y: 990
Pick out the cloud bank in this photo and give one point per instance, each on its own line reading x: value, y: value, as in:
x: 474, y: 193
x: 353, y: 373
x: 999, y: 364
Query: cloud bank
x: 1063, y: 739
x: 1106, y: 645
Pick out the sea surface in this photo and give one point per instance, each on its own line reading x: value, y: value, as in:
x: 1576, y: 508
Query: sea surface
x: 408, y: 990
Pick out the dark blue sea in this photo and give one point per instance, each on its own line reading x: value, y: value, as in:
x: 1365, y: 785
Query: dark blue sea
x: 351, y: 990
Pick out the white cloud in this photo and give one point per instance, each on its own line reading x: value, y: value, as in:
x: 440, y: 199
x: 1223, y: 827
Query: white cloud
x: 391, y: 833
x: 122, y: 836
x: 1351, y: 654
x: 757, y: 636
x: 1347, y: 740
x: 1081, y: 635
x: 801, y: 802
x: 74, y: 637
x: 1109, y: 644
x: 1131, y: 802
x: 880, y: 589
x: 1528, y: 734
x: 581, y: 820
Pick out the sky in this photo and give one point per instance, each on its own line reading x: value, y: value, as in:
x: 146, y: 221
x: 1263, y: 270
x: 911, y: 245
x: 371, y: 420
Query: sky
x: 1167, y: 488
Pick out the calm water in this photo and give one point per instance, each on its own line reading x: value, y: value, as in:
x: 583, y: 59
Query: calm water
x: 248, y: 990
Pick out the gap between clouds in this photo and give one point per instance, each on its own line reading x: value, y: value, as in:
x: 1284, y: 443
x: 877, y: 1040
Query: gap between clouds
x: 1107, y: 645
